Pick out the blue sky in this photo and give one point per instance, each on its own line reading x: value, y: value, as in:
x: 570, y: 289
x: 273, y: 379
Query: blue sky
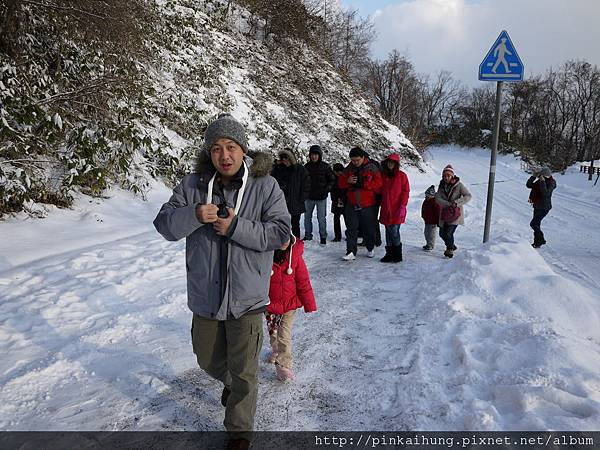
x: 455, y: 35
x: 368, y: 7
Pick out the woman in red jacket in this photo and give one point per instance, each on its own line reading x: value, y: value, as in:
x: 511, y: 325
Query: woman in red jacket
x: 394, y: 198
x: 289, y: 290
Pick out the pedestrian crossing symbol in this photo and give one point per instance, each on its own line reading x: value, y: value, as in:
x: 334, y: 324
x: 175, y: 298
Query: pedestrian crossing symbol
x: 502, y: 62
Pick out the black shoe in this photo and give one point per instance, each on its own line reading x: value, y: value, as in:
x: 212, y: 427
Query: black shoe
x: 238, y: 444
x: 323, y: 241
x: 308, y: 237
x: 537, y: 244
x: 336, y: 240
x: 449, y: 253
x: 225, y: 395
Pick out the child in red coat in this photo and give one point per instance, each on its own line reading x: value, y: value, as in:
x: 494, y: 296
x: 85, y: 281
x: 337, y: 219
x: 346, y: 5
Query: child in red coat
x: 289, y: 290
x: 430, y: 212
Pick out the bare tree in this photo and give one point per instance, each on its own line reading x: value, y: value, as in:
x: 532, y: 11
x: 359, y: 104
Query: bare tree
x: 388, y: 82
x: 439, y: 99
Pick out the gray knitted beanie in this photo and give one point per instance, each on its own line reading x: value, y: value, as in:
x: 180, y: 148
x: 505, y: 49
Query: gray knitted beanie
x: 545, y: 172
x: 225, y: 127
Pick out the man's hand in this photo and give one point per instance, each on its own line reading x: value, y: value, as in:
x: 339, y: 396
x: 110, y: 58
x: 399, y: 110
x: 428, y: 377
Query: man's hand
x: 207, y: 213
x: 352, y: 179
x: 221, y: 226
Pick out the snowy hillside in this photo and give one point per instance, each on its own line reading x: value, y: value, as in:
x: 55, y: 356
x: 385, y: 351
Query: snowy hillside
x: 94, y: 328
x: 97, y: 123
x: 286, y: 95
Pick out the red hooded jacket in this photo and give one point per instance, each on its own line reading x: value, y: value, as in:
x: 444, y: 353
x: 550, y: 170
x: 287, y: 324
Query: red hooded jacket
x: 394, y: 195
x: 290, y: 291
x: 370, y: 184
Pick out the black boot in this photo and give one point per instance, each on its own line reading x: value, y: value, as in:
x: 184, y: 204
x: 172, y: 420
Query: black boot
x: 398, y: 253
x: 389, y: 255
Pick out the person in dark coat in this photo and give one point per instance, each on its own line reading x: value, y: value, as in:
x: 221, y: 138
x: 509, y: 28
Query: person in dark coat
x: 294, y: 181
x: 430, y: 212
x: 322, y: 180
x: 541, y: 184
x: 338, y: 202
x: 362, y: 179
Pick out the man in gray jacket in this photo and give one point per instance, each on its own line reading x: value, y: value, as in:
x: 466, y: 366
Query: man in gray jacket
x: 233, y: 215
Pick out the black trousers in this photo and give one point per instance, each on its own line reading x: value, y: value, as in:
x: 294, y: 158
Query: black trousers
x: 447, y: 234
x: 535, y: 224
x: 366, y: 218
x: 296, y: 224
x: 337, y: 225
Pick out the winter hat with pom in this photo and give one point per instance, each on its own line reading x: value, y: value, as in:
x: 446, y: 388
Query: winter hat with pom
x: 228, y: 128
x: 545, y: 172
x: 448, y: 168
x: 430, y: 192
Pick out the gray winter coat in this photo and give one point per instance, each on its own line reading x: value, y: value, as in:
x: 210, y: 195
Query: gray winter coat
x: 459, y: 194
x: 261, y: 226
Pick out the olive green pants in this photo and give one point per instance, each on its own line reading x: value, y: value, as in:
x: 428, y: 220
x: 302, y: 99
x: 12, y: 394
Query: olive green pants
x: 228, y: 351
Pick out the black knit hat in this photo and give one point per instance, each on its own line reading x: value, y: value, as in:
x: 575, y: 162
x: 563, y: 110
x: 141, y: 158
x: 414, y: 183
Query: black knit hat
x: 225, y: 127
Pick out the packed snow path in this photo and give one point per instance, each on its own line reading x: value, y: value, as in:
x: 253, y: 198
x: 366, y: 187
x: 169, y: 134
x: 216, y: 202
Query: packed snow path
x: 94, y: 327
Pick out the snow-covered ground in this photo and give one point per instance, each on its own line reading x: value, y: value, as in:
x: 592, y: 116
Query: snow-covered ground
x: 94, y: 328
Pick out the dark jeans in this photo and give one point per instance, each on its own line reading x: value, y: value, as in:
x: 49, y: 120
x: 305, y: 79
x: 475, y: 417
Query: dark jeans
x: 377, y: 229
x: 296, y: 224
x: 337, y: 225
x: 392, y: 235
x: 366, y: 218
x: 535, y: 224
x: 447, y: 234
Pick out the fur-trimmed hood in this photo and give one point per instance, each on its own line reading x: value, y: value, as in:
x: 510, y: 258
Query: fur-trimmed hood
x: 289, y: 154
x: 260, y: 165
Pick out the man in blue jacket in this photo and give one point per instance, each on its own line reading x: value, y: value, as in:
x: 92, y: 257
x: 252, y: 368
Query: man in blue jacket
x: 233, y: 216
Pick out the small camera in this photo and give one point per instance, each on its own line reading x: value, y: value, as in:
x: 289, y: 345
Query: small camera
x: 222, y: 212
x: 359, y: 180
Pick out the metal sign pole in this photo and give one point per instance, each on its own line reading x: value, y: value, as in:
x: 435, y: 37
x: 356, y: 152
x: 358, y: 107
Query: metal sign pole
x: 492, y: 179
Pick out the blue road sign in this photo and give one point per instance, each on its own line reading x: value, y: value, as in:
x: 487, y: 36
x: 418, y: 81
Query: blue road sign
x: 502, y: 62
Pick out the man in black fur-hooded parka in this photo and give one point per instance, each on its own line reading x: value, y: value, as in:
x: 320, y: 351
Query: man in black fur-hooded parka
x: 233, y: 215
